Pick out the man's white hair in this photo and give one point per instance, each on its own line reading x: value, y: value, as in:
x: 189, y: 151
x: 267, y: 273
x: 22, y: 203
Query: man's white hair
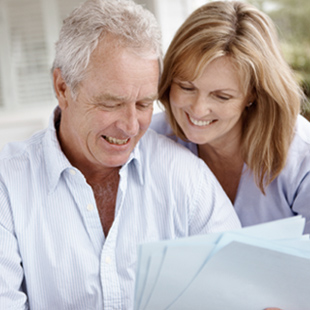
x: 131, y: 25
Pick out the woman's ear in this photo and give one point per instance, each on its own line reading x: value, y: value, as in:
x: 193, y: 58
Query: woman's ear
x: 62, y: 90
x: 250, y: 99
x: 252, y: 96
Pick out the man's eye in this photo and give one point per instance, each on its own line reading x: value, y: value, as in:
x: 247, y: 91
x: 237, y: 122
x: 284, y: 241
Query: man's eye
x: 109, y: 105
x: 144, y: 105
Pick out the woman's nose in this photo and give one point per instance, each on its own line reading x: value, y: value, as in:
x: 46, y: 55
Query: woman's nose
x: 200, y: 107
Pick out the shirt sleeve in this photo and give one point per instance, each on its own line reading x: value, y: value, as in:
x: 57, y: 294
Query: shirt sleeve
x: 213, y: 211
x: 12, y: 275
x: 298, y: 177
x: 301, y: 202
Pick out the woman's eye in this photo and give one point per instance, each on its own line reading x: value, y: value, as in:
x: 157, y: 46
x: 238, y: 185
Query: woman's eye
x: 223, y: 98
x: 187, y: 88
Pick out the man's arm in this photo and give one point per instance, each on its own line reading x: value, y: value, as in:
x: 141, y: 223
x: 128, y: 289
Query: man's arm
x: 11, y: 270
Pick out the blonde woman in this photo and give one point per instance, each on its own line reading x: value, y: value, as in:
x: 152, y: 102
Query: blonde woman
x: 231, y: 98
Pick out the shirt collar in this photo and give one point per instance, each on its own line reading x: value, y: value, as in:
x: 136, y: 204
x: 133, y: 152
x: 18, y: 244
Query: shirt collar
x: 57, y: 162
x: 135, y: 159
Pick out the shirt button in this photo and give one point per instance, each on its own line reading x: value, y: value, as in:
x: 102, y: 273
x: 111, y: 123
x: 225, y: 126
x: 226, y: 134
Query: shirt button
x: 90, y: 207
x: 108, y: 260
x: 72, y: 172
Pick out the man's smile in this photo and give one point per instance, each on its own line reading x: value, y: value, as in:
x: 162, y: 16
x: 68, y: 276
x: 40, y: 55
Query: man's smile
x: 112, y: 140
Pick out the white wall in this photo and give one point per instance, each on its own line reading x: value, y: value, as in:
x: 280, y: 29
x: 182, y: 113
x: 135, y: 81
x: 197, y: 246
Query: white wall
x: 21, y: 124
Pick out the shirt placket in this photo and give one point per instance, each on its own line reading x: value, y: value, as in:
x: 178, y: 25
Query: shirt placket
x: 111, y: 286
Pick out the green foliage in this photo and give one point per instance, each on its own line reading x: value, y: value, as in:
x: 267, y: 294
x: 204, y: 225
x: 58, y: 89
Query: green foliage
x: 292, y: 20
x: 297, y: 55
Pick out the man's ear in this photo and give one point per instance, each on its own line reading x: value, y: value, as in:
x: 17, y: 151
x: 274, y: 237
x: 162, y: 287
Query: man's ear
x: 62, y: 90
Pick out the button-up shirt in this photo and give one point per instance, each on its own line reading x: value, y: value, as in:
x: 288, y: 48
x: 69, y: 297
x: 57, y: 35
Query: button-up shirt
x: 53, y: 252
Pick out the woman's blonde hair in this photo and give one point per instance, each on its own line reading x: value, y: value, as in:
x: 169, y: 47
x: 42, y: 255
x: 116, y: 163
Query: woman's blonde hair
x: 249, y: 38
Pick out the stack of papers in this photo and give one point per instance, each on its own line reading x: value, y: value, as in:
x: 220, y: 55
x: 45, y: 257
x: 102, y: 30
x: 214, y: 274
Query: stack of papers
x: 257, y: 267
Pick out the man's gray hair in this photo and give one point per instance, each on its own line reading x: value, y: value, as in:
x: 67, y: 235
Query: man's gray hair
x: 131, y: 24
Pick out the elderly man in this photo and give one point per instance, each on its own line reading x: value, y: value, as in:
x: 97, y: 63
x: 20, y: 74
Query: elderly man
x: 78, y: 198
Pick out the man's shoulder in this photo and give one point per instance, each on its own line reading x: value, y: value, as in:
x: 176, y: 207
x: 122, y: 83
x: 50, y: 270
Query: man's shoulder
x: 21, y: 151
x: 161, y: 125
x: 153, y: 139
x: 159, y: 147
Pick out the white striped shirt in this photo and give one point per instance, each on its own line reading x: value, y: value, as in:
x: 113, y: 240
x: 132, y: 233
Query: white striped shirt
x: 53, y: 252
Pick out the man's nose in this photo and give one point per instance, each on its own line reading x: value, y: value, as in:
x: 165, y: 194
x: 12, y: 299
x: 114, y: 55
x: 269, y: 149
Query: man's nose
x: 128, y: 121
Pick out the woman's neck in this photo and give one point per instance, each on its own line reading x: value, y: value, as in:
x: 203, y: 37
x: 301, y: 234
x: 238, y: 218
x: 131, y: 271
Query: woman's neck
x: 226, y: 163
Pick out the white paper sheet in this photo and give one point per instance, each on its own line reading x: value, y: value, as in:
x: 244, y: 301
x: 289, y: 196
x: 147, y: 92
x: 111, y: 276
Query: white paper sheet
x: 262, y: 266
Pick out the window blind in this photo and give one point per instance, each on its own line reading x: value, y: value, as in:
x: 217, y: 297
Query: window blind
x: 26, y: 30
x: 28, y: 49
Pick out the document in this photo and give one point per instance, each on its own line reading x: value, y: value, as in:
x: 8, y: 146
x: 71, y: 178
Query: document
x: 266, y: 265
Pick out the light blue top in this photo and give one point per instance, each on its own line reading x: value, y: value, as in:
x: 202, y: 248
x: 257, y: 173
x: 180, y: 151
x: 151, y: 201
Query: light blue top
x: 287, y: 195
x: 52, y: 247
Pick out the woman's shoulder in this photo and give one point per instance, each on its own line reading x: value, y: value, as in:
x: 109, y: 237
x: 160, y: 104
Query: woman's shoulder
x: 160, y: 124
x: 300, y: 145
x: 302, y: 130
x: 299, y: 152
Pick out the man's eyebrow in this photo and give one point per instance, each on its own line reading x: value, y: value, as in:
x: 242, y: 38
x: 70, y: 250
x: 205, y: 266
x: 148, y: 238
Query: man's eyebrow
x: 109, y: 97
x: 150, y: 98
x: 114, y: 98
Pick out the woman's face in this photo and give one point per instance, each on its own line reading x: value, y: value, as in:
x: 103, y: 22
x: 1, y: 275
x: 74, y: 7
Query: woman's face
x: 209, y: 108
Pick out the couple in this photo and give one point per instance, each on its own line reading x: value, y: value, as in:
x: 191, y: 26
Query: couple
x: 78, y: 198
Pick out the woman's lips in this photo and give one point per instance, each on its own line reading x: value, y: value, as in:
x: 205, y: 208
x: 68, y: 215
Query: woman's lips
x: 200, y: 123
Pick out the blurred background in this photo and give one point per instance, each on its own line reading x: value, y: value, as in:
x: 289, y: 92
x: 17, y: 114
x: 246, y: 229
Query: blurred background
x: 29, y: 30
